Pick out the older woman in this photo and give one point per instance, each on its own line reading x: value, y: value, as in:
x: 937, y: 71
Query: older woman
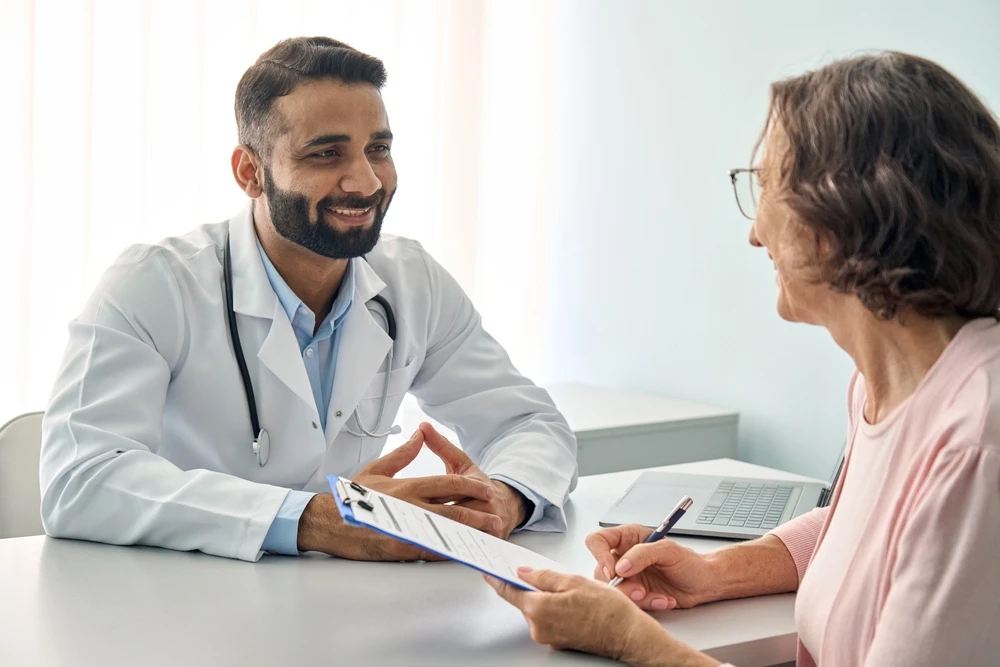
x: 879, y: 204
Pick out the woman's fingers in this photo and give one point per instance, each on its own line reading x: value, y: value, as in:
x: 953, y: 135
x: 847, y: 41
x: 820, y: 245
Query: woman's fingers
x: 642, y: 556
x: 606, y: 544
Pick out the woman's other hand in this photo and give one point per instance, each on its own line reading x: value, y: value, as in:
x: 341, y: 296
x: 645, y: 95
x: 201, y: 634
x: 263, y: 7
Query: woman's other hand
x: 571, y: 612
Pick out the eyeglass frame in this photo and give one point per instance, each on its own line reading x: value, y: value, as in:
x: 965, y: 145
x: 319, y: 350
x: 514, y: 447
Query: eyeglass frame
x: 733, y: 173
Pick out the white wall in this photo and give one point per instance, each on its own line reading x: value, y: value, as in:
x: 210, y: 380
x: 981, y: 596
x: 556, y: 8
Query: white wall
x: 653, y: 285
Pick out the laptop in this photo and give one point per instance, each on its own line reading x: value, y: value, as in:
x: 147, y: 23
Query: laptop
x: 728, y: 507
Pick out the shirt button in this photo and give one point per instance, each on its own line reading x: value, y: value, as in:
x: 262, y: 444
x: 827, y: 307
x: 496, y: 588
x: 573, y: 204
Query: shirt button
x: 309, y: 352
x: 338, y: 414
x: 315, y: 425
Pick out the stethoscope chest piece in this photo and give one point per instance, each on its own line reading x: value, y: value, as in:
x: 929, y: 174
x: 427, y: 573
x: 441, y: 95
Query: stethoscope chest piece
x: 262, y: 448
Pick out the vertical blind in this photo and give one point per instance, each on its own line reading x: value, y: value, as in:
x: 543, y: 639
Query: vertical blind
x: 118, y: 127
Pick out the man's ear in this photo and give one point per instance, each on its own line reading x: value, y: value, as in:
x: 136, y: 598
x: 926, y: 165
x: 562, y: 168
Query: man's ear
x: 247, y: 171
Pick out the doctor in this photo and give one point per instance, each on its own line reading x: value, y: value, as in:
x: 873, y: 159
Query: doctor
x: 213, y: 380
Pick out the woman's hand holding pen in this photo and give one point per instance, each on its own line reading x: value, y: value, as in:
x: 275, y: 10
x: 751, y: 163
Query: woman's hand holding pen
x: 658, y: 576
x: 571, y: 612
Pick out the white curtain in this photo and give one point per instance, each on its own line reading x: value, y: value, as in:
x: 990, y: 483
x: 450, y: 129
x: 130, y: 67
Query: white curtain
x: 117, y: 118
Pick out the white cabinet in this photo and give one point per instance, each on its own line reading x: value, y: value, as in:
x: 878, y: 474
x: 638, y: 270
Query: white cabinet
x: 616, y: 430
x: 619, y: 430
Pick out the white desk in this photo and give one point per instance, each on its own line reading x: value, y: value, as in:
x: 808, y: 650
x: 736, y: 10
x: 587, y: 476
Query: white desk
x: 65, y: 603
x: 618, y: 430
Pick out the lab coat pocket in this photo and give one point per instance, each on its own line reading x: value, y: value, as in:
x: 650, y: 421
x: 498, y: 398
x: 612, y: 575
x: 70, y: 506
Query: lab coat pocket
x: 400, y: 380
x: 370, y: 406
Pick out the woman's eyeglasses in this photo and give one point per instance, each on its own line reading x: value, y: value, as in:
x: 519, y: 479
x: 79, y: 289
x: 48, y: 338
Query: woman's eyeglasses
x: 746, y: 187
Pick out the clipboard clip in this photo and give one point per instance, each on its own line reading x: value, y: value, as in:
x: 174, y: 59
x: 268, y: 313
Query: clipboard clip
x: 364, y: 502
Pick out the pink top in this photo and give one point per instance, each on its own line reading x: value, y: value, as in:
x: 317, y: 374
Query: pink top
x: 903, y: 568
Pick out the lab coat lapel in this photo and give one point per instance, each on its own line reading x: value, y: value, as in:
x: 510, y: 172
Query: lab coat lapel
x: 252, y: 292
x: 253, y: 297
x: 280, y: 354
x: 364, y: 345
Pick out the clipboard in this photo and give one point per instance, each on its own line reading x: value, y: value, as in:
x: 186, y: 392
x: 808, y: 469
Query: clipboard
x: 455, y: 541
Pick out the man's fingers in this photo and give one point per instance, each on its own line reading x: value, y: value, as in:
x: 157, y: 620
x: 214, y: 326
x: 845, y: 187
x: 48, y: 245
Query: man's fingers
x: 511, y: 594
x: 478, y: 505
x: 459, y: 487
x: 445, y: 500
x: 410, y: 553
x: 397, y: 459
x: 375, y: 547
x: 454, y: 458
x: 549, y: 581
x: 488, y: 523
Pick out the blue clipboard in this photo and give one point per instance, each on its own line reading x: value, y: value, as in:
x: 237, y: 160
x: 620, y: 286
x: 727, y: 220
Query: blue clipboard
x: 405, y: 522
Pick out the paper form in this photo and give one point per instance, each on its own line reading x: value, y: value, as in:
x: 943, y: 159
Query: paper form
x: 453, y: 540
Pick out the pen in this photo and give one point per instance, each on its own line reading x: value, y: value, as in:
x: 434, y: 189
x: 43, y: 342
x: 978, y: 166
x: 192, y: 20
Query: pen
x: 683, y: 506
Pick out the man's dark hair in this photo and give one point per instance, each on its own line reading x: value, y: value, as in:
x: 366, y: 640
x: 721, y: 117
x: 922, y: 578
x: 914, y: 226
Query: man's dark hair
x: 895, y: 165
x: 284, y: 66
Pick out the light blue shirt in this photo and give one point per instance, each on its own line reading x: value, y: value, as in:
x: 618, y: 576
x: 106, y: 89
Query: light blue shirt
x: 319, y: 354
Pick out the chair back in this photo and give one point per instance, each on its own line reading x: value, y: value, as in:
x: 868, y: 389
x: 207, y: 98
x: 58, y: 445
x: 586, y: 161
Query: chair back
x: 20, y: 498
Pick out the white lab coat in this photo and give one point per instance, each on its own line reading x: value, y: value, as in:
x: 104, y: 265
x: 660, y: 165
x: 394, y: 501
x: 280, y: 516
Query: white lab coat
x: 147, y: 437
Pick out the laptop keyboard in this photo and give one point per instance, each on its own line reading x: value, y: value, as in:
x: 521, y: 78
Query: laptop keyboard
x: 746, y: 505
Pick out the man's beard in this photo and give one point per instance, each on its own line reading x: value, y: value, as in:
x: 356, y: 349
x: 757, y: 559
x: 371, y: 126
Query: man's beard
x: 290, y: 217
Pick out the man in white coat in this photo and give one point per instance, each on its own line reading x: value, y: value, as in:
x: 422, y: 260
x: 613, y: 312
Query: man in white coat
x: 150, y: 434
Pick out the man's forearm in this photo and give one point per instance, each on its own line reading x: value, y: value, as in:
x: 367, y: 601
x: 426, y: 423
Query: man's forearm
x: 517, y: 503
x: 761, y: 567
x: 322, y: 529
x: 319, y: 523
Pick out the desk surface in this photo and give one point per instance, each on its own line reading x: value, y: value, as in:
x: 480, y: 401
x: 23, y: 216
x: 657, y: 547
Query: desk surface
x: 71, y: 603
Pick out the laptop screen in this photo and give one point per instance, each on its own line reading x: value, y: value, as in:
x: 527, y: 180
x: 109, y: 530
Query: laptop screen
x: 828, y: 494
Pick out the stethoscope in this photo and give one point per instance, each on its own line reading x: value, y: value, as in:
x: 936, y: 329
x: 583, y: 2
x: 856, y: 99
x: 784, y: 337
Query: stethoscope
x: 261, y: 441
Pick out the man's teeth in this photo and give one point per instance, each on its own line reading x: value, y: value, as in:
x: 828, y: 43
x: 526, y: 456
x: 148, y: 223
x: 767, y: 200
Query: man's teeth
x: 353, y: 212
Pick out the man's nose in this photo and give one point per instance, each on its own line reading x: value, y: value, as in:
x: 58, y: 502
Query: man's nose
x: 360, y: 178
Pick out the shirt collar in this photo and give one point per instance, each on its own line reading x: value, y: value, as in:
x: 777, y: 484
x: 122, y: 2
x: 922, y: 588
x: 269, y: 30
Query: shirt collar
x: 292, y: 304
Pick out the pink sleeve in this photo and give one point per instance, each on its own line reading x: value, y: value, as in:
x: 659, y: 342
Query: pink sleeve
x: 800, y: 535
x: 944, y: 596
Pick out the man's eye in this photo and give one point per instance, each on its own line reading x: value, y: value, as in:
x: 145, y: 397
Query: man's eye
x: 380, y: 148
x: 329, y: 152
